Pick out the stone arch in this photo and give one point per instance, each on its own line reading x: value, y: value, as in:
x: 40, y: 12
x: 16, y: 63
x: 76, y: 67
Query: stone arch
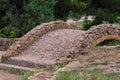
x: 98, y: 34
x: 108, y: 37
x: 90, y: 38
x: 40, y: 30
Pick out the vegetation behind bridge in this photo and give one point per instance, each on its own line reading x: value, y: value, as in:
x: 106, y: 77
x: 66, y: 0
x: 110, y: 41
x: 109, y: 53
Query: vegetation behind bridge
x: 17, y: 17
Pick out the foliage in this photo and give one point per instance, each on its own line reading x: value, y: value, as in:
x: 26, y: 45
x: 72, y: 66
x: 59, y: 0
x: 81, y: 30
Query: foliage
x: 68, y: 75
x: 87, y: 24
x: 23, y: 15
x: 18, y: 71
x: 63, y: 8
x: 9, y: 32
x: 102, y: 16
x: 105, y: 15
x: 105, y: 11
x: 17, y: 17
x: 73, y: 15
x: 26, y: 75
x: 87, y: 75
x: 113, y: 5
x: 100, y: 63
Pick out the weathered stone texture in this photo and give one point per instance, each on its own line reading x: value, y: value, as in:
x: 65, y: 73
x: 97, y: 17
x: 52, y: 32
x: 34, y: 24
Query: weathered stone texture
x: 97, y: 34
x: 90, y: 38
x: 33, y: 35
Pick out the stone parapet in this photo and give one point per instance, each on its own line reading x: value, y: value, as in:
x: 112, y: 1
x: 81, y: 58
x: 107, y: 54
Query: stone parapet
x: 33, y: 35
x: 98, y: 34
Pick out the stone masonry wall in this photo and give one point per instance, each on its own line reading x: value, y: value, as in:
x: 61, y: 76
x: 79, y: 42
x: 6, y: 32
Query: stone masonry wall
x: 91, y: 38
x: 5, y: 43
x: 97, y: 34
x: 33, y: 35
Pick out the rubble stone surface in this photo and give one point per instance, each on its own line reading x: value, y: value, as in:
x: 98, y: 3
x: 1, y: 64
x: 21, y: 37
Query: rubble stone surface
x: 49, y: 43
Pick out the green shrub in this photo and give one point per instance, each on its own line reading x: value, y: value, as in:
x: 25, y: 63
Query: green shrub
x: 23, y: 15
x: 9, y: 32
x: 26, y: 75
x: 63, y: 8
x: 105, y: 15
x: 102, y: 16
x: 87, y: 24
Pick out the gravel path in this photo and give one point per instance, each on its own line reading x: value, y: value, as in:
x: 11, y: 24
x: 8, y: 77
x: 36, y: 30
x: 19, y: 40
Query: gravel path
x: 4, y: 75
x: 51, y: 47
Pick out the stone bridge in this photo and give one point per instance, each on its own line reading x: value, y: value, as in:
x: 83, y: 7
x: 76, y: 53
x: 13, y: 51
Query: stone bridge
x: 49, y: 43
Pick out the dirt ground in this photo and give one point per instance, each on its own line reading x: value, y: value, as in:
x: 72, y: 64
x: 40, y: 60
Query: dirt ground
x: 108, y: 60
x: 4, y: 75
x: 105, y: 59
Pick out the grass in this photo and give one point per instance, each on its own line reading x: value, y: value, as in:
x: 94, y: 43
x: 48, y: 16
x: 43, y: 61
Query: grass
x: 25, y: 74
x: 96, y: 70
x: 100, y: 63
x: 17, y: 71
x: 113, y: 74
x: 95, y: 74
x: 68, y: 75
x: 118, y: 62
x: 118, y: 66
x: 58, y: 65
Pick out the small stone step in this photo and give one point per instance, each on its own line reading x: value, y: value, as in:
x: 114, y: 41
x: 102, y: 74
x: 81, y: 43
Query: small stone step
x: 9, y: 66
x: 30, y: 64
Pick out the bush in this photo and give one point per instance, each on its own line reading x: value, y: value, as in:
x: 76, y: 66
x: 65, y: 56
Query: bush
x: 87, y: 24
x: 73, y: 15
x: 105, y: 15
x: 102, y: 16
x: 9, y: 32
x: 23, y: 15
x: 63, y: 8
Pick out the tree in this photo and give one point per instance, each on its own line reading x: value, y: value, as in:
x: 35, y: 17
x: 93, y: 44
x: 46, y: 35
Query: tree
x: 106, y: 10
x: 113, y: 5
x: 63, y: 7
x: 19, y: 16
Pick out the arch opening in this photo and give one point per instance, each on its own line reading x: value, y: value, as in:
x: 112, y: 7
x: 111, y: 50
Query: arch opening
x: 110, y: 42
x: 103, y: 39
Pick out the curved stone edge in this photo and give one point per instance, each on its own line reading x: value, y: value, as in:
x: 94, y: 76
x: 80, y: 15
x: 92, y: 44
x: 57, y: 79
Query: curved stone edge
x: 33, y: 35
x: 98, y: 34
x: 103, y: 38
x: 5, y: 43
